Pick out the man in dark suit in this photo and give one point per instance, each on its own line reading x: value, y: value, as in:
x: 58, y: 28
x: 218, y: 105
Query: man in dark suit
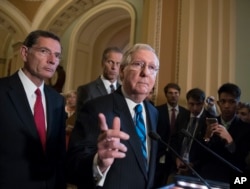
x: 168, y: 114
x: 111, y: 60
x: 229, y: 137
x: 105, y: 149
x: 26, y: 159
x: 195, y: 124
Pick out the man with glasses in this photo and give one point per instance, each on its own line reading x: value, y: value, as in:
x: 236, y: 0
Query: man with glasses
x: 228, y: 138
x: 32, y: 124
x: 107, y: 82
x: 109, y: 146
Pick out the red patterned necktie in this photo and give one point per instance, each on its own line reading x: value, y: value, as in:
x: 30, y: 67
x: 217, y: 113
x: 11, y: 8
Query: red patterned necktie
x: 40, y: 118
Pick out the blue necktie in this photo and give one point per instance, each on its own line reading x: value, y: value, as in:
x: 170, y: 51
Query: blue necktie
x: 140, y: 129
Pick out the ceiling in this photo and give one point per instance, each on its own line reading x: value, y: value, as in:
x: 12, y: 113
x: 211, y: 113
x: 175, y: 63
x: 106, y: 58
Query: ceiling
x: 27, y: 7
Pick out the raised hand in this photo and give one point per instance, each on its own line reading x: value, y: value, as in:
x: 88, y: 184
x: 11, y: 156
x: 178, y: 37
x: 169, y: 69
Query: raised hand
x: 109, y: 145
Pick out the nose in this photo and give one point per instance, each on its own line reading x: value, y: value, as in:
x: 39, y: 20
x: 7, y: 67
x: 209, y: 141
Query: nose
x: 145, y: 70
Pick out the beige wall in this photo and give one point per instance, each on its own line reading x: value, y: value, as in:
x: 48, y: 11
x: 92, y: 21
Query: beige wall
x: 200, y: 43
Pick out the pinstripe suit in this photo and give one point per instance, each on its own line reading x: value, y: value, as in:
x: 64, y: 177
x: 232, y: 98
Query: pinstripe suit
x: 129, y: 172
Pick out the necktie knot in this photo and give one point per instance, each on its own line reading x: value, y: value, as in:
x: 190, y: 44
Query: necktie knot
x: 112, y: 88
x: 138, y: 108
x: 38, y: 92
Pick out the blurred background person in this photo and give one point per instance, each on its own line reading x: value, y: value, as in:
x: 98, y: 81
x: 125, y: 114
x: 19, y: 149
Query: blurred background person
x: 229, y: 137
x: 195, y: 124
x: 243, y: 111
x: 169, y: 112
x: 107, y: 82
x: 70, y: 109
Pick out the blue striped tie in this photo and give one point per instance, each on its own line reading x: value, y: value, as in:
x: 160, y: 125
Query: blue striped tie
x: 140, y: 129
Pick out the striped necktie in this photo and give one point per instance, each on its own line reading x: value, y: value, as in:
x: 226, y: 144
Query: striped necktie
x: 112, y: 88
x: 140, y: 129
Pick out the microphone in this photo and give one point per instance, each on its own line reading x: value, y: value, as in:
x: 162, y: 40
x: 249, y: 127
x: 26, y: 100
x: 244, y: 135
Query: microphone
x: 212, y: 152
x: 155, y: 136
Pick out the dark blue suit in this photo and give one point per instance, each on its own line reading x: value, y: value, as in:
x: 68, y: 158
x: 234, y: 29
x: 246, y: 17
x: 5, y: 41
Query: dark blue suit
x: 129, y: 172
x: 164, y: 169
x: 23, y: 163
x: 214, y: 168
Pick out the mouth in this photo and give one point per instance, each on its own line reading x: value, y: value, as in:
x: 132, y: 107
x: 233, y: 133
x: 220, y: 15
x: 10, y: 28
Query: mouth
x: 49, y: 70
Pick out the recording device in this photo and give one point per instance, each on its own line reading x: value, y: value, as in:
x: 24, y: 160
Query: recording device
x: 155, y: 136
x: 212, y: 152
x: 210, y: 121
x: 210, y: 100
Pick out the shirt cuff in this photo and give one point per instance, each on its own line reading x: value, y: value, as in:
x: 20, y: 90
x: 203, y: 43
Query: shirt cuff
x: 98, y: 175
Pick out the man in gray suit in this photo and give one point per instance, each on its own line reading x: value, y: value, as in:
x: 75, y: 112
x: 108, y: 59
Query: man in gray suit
x: 106, y: 149
x: 111, y: 60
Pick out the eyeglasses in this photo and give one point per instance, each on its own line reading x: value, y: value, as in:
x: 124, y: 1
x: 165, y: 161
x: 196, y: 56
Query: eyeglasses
x: 139, y: 65
x: 45, y: 52
x: 111, y: 62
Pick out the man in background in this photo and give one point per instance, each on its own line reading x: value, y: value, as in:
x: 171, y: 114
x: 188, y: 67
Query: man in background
x: 107, y: 82
x: 229, y: 137
x: 169, y: 112
x: 195, y: 125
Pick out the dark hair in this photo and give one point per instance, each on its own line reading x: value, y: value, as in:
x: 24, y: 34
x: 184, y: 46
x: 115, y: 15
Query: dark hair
x: 197, y: 94
x: 32, y: 38
x: 244, y: 105
x: 172, y: 85
x: 108, y: 50
x: 231, y: 89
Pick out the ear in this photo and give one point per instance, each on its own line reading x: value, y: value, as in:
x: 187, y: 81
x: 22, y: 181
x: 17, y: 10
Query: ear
x: 24, y: 53
x: 121, y: 72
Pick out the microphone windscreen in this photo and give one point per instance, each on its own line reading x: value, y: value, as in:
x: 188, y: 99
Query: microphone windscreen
x: 154, y: 135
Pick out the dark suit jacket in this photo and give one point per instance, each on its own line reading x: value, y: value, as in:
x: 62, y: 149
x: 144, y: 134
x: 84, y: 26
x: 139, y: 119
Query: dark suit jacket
x: 214, y: 168
x: 23, y: 163
x: 129, y: 172
x: 163, y: 129
x: 196, y: 152
x: 164, y: 123
x: 90, y: 91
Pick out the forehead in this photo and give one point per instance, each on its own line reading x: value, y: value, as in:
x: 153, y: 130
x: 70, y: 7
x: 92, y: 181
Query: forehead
x: 50, y: 43
x: 226, y: 96
x: 113, y: 53
x: 194, y: 102
x: 172, y: 90
x: 145, y: 55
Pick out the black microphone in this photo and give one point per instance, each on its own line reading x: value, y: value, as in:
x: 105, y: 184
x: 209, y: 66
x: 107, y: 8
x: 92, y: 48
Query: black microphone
x: 155, y: 136
x: 212, y: 152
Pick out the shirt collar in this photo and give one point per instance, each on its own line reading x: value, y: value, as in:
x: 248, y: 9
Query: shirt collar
x: 28, y: 85
x: 107, y: 83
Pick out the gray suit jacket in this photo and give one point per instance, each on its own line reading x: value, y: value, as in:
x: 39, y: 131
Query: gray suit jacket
x: 90, y: 91
x: 129, y: 172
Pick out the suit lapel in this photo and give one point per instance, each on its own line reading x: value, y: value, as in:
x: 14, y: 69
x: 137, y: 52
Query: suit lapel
x: 19, y: 99
x: 127, y: 125
x: 100, y: 86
